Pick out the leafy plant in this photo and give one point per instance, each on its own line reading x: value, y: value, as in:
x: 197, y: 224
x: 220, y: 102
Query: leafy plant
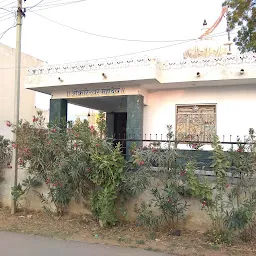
x: 107, y: 175
x: 21, y: 190
x: 101, y: 124
x: 147, y: 217
x: 241, y: 16
x: 160, y: 161
x: 195, y: 187
x: 233, y: 206
x: 5, y: 153
x: 72, y: 161
x: 5, y: 150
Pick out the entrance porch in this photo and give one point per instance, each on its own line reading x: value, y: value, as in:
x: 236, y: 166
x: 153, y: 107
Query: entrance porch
x: 124, y: 114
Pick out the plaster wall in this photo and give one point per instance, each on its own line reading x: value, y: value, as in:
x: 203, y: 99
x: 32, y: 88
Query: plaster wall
x: 7, y: 80
x: 195, y: 218
x: 235, y: 107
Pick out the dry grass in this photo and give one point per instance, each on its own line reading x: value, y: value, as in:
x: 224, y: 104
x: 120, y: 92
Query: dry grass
x: 84, y: 228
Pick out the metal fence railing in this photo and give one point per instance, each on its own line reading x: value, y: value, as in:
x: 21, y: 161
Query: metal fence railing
x: 185, y: 146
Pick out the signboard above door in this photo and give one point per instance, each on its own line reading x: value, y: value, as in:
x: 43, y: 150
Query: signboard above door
x: 95, y: 92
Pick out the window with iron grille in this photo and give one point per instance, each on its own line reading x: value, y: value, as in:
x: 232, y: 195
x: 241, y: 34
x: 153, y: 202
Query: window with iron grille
x: 196, y: 122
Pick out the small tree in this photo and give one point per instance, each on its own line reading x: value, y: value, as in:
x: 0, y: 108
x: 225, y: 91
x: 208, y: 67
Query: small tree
x: 74, y: 162
x: 242, y: 16
x: 101, y: 124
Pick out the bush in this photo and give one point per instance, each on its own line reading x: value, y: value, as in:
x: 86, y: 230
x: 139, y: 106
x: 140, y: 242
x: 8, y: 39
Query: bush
x: 72, y: 162
x: 160, y: 161
x: 5, y: 154
x: 233, y: 206
x: 77, y: 161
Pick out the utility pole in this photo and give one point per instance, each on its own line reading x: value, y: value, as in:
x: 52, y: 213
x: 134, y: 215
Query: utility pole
x: 17, y: 96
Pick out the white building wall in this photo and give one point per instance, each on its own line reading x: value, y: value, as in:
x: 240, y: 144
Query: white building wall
x: 7, y: 80
x: 235, y: 108
x: 27, y: 106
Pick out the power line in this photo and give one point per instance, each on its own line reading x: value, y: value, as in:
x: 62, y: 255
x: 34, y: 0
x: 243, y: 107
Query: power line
x: 3, y: 33
x: 35, y: 5
x: 127, y: 54
x: 52, y: 4
x: 9, y: 4
x: 9, y: 13
x: 3, y: 1
x: 58, y: 2
x: 1, y: 8
x: 9, y: 16
x: 143, y: 51
x: 111, y: 37
x: 45, y: 7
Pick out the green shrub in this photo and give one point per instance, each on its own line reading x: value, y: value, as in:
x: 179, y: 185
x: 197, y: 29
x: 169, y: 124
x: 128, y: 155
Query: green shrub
x: 73, y: 162
x: 5, y: 154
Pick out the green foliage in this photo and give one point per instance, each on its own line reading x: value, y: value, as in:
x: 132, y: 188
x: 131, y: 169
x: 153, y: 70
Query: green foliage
x: 233, y: 207
x: 108, y: 171
x: 167, y: 206
x: 147, y: 217
x: 220, y: 164
x: 21, y: 190
x: 195, y: 187
x: 101, y: 124
x: 242, y: 15
x: 76, y: 161
x: 170, y: 204
x: 239, y: 218
x: 5, y: 150
x: 73, y: 161
x: 5, y: 153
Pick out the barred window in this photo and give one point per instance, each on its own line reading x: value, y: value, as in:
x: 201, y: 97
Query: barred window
x: 196, y: 122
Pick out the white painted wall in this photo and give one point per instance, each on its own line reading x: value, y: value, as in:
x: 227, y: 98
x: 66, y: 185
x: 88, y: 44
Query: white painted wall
x: 235, y: 108
x: 7, y: 79
x: 27, y: 106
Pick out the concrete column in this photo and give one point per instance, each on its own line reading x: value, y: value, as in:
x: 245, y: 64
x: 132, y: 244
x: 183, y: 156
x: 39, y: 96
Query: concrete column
x: 110, y: 124
x: 58, y: 111
x: 134, y: 126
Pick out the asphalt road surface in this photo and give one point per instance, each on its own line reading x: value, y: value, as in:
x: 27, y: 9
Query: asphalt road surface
x: 13, y: 244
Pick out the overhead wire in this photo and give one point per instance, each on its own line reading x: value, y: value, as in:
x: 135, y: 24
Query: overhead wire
x: 9, y: 4
x: 3, y: 1
x: 126, y: 54
x: 35, y: 5
x: 3, y: 33
x: 45, y: 7
x: 58, y: 2
x: 110, y: 37
x: 143, y: 51
x: 11, y: 14
x: 51, y: 4
x: 9, y: 10
x: 91, y: 33
x: 1, y: 8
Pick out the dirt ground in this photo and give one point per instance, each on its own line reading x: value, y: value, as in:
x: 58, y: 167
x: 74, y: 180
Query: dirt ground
x: 84, y: 228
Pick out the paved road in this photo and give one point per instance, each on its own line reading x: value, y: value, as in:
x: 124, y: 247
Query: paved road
x: 13, y: 244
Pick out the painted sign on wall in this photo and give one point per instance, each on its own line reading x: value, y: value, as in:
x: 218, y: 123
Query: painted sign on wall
x: 95, y: 92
